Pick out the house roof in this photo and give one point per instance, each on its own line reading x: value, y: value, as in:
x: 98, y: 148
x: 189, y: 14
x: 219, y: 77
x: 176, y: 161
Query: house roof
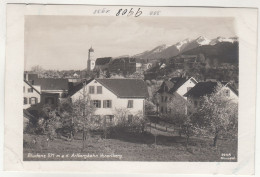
x: 206, y: 88
x: 174, y: 84
x: 103, y: 61
x: 179, y: 81
x: 52, y: 84
x: 126, y: 88
x: 31, y: 86
x: 123, y: 88
x: 76, y: 88
x: 27, y: 114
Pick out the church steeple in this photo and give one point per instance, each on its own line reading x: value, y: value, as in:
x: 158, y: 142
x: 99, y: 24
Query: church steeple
x: 91, y: 60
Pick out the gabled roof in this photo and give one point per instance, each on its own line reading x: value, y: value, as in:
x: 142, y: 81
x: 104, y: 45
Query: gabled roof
x: 31, y: 86
x: 103, y: 61
x: 179, y: 81
x: 78, y: 87
x: 27, y: 114
x: 206, y: 88
x: 123, y: 88
x: 175, y: 83
x: 52, y: 84
x: 126, y: 88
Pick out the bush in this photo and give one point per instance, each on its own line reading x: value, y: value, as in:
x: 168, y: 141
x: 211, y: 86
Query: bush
x: 125, y: 125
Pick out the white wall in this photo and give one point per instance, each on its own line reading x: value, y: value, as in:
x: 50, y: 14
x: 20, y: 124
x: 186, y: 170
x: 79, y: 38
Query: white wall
x: 232, y: 96
x: 117, y: 103
x: 181, y: 91
x: 29, y: 95
x: 184, y: 88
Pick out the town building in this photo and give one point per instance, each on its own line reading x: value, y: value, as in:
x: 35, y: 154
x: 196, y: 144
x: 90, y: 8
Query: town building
x: 91, y: 60
x: 123, y: 65
x: 195, y: 94
x: 51, y: 90
x: 172, y: 89
x: 31, y: 94
x: 102, y: 63
x: 110, y: 95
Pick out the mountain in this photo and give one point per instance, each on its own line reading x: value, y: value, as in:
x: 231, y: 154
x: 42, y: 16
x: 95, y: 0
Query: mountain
x: 152, y: 54
x: 222, y: 52
x: 164, y: 51
x: 222, y: 39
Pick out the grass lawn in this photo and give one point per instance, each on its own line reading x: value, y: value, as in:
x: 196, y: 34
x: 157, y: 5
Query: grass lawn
x: 129, y: 147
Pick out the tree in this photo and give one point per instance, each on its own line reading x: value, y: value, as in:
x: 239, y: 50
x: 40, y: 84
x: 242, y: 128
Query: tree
x: 37, y: 69
x: 177, y: 115
x: 82, y: 115
x: 218, y: 114
x: 108, y: 75
x: 150, y: 108
x: 50, y: 122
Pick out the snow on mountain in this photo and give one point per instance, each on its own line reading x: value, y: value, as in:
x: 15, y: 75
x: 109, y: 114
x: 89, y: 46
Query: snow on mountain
x: 159, y: 48
x: 222, y: 39
x: 166, y: 51
x: 181, y: 44
x: 203, y: 41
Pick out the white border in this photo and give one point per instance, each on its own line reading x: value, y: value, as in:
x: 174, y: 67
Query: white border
x: 207, y: 3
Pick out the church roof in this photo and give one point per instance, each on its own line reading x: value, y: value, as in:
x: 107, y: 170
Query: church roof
x: 91, y: 49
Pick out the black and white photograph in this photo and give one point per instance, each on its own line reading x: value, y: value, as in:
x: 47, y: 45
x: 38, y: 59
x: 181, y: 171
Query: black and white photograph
x: 130, y: 89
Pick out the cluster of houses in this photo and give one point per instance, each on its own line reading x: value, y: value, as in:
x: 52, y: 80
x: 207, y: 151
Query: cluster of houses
x: 110, y: 95
x: 187, y: 89
x: 106, y: 95
x: 126, y: 65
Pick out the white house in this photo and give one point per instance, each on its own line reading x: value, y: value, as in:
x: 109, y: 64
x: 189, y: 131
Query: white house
x: 174, y: 88
x: 201, y: 89
x: 31, y: 94
x: 110, y: 95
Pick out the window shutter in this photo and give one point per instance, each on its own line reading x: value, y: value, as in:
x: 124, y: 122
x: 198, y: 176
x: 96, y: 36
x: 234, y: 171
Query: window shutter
x: 29, y: 100
x: 110, y: 103
x: 36, y: 100
x: 104, y: 104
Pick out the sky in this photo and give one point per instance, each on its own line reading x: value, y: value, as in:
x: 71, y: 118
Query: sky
x: 62, y: 42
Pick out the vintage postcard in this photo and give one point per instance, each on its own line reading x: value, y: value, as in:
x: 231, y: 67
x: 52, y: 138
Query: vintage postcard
x: 171, y: 88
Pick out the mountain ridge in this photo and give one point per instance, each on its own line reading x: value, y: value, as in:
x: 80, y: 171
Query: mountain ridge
x: 164, y: 51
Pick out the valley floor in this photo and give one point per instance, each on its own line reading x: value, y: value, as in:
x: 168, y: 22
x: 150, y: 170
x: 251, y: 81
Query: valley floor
x: 169, y: 147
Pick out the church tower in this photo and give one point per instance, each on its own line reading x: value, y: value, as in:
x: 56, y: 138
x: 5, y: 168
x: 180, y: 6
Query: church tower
x: 91, y: 60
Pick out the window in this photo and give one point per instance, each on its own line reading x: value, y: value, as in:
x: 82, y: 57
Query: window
x: 162, y: 99
x: 130, y: 118
x: 130, y: 104
x: 25, y: 100
x: 99, y: 89
x: 161, y: 109
x: 33, y: 100
x: 30, y: 90
x: 166, y: 98
x: 107, y: 104
x: 227, y: 93
x: 91, y: 90
x: 97, y: 103
x: 109, y: 118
